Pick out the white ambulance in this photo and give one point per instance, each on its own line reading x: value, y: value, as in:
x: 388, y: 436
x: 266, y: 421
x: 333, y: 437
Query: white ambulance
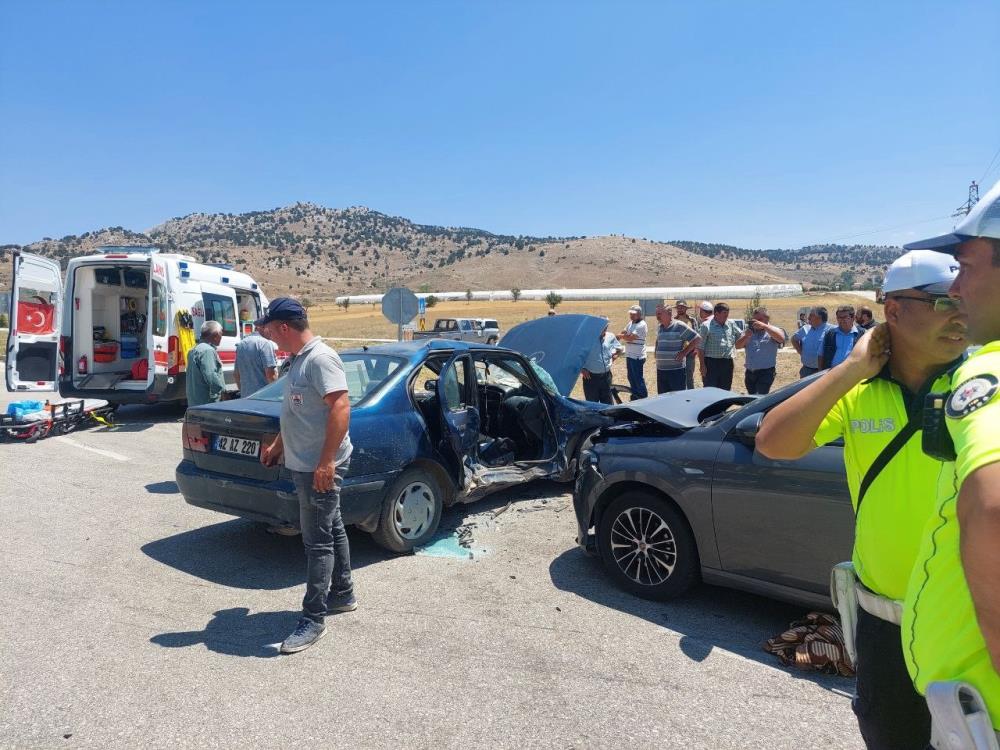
x: 118, y: 328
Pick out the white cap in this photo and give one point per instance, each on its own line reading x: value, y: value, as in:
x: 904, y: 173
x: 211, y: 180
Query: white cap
x: 706, y: 306
x: 925, y: 270
x: 982, y: 221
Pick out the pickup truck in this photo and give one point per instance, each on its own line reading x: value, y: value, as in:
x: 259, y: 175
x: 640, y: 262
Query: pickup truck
x: 461, y: 329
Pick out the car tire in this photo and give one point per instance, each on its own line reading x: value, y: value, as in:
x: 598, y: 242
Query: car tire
x: 660, y: 566
x: 411, y: 512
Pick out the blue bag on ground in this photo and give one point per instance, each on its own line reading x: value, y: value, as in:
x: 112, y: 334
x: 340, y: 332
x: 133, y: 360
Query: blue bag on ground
x: 18, y: 409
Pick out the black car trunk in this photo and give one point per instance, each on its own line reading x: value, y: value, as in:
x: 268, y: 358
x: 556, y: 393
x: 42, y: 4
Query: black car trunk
x: 232, y: 442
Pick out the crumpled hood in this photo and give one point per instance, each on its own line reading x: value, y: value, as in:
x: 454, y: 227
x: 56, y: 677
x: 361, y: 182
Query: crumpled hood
x: 558, y: 343
x: 681, y: 410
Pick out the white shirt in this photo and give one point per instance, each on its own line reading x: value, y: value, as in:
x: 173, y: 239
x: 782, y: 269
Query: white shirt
x: 636, y: 349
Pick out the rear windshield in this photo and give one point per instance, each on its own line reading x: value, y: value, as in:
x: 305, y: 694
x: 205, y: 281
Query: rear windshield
x: 366, y: 373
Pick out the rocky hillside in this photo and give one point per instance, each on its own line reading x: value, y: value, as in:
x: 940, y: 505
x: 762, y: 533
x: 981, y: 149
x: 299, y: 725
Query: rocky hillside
x: 321, y: 252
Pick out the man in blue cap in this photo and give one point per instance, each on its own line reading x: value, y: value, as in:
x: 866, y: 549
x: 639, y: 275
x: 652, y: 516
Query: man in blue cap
x: 316, y: 448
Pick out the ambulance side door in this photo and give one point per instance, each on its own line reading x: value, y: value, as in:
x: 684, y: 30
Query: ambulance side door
x: 160, y: 313
x: 32, y: 352
x: 219, y: 302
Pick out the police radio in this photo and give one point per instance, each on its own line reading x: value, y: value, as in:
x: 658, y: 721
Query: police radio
x: 936, y: 441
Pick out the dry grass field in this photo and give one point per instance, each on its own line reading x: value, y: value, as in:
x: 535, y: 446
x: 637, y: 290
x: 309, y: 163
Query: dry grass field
x: 366, y: 322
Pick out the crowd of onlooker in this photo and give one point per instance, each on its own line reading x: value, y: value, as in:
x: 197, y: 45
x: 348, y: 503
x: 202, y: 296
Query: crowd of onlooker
x: 708, y: 343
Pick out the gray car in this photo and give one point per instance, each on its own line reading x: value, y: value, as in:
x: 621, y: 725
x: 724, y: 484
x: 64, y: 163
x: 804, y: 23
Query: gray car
x: 674, y: 492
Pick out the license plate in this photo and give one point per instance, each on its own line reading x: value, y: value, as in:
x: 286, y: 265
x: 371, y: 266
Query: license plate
x: 237, y: 446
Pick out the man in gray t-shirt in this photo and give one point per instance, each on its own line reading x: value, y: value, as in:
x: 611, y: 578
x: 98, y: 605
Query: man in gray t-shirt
x: 256, y: 365
x: 761, y: 340
x: 316, y: 447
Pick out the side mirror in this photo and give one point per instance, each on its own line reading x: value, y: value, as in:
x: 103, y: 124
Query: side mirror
x: 747, y: 428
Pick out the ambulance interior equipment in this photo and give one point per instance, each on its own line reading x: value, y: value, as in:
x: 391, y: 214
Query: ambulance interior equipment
x: 110, y: 316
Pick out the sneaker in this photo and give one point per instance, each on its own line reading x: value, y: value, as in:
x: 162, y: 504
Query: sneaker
x: 336, y: 604
x: 306, y: 633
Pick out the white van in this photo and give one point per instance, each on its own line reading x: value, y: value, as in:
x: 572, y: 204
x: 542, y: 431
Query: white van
x: 114, y: 330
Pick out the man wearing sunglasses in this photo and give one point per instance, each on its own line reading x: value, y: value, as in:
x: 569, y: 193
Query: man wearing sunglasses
x: 873, y: 400
x: 951, y: 621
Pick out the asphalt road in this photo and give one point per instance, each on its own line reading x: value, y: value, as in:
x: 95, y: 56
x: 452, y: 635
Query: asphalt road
x: 131, y: 619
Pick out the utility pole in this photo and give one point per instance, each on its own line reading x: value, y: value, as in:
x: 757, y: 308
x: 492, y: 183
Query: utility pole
x: 964, y: 209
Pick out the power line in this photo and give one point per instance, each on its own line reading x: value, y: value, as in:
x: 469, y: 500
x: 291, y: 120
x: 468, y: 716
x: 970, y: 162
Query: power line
x: 877, y: 231
x: 989, y: 167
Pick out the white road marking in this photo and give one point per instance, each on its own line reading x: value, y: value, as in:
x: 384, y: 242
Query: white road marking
x: 100, y: 451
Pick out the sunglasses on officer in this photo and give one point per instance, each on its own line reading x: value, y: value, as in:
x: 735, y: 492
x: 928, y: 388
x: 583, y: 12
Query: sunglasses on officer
x: 940, y: 304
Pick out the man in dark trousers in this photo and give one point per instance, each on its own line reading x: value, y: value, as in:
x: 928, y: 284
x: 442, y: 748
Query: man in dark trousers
x: 316, y: 448
x: 873, y: 400
x: 718, y: 347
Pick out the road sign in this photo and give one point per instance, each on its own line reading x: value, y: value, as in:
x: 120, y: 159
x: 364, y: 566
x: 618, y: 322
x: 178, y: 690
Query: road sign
x: 422, y: 306
x: 399, y: 305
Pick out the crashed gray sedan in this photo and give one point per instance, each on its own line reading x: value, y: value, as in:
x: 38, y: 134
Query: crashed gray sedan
x: 674, y: 492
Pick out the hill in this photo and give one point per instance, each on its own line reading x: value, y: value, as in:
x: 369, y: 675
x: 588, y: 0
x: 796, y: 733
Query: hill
x: 319, y: 252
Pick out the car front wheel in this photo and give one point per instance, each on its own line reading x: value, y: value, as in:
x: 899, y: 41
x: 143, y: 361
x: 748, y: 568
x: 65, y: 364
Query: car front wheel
x: 411, y: 512
x: 647, y: 547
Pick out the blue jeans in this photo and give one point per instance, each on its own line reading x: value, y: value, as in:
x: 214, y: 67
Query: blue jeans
x: 328, y: 554
x: 670, y: 380
x: 636, y: 381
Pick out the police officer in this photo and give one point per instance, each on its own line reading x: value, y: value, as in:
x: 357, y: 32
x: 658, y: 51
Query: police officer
x: 872, y: 400
x: 951, y: 623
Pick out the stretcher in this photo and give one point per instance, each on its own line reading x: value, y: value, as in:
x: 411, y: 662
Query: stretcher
x: 55, y: 417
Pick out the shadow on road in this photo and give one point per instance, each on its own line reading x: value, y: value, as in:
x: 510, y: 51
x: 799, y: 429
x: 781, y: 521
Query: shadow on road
x: 235, y: 632
x: 163, y: 488
x: 708, y: 617
x: 141, y: 417
x: 241, y: 554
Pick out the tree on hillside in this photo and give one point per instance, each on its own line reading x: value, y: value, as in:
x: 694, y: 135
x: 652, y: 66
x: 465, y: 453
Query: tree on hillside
x: 307, y: 303
x: 430, y: 301
x: 515, y: 294
x: 552, y: 299
x: 468, y: 296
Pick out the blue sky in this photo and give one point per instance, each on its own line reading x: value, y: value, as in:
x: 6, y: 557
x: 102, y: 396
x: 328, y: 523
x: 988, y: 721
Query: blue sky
x: 764, y: 124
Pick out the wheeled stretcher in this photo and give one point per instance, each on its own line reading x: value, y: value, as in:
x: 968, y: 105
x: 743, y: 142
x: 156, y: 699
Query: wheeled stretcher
x: 58, y: 417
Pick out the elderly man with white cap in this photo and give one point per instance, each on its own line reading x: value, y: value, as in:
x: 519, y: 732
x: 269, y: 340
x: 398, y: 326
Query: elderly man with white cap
x: 634, y: 336
x: 873, y: 400
x: 951, y: 618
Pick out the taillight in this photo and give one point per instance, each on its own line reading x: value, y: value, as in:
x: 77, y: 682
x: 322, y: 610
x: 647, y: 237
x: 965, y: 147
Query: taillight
x: 62, y: 353
x: 173, y: 360
x: 193, y: 439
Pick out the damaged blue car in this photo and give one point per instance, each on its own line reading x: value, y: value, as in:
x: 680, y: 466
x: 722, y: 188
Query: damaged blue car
x: 433, y: 423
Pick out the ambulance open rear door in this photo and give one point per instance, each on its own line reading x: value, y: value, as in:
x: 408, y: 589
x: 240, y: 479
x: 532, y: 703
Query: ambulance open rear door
x: 35, y: 323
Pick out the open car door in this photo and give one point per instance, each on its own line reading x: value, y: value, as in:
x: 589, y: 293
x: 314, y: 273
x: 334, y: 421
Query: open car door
x: 35, y: 322
x: 459, y: 415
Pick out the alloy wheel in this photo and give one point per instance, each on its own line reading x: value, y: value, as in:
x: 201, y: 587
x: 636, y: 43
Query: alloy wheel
x: 643, y: 546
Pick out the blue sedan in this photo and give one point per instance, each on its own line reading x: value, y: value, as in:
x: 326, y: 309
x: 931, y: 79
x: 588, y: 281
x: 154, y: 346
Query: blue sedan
x: 432, y: 422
